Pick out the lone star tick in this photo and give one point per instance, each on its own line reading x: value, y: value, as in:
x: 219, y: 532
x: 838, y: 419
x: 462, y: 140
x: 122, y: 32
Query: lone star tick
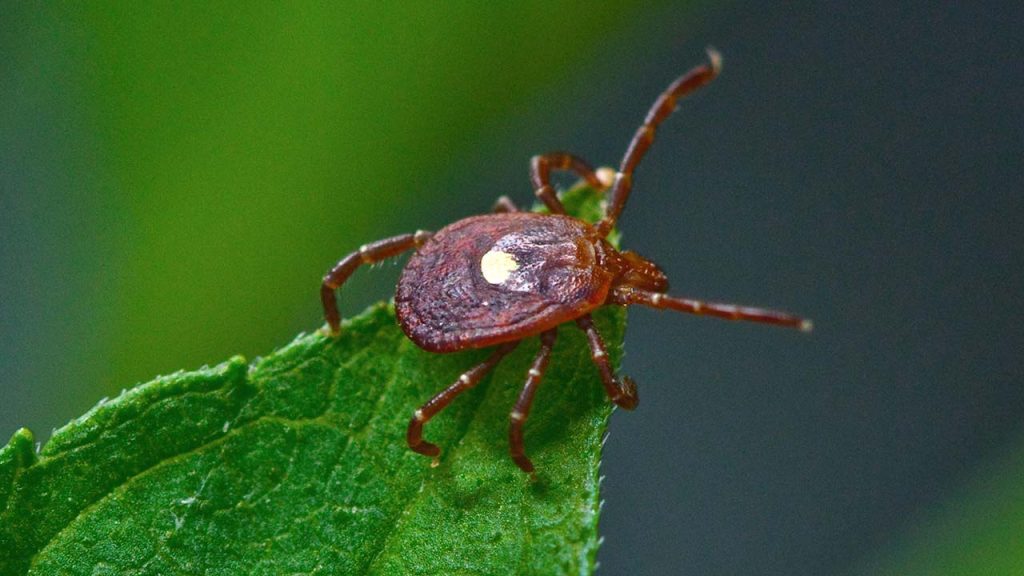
x: 495, y: 279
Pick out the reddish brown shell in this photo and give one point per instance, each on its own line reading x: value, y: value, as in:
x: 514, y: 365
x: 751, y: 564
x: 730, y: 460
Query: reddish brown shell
x: 444, y: 303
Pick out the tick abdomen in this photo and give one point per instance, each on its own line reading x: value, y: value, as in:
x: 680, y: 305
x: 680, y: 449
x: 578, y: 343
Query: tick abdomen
x: 495, y: 278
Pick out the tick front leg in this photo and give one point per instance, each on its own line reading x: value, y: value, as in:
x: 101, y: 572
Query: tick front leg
x: 644, y: 136
x: 623, y: 394
x: 540, y: 176
x: 521, y: 412
x: 627, y: 296
x: 367, y: 254
x: 469, y: 379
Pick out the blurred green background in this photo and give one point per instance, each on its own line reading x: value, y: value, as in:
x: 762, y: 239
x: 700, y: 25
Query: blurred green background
x: 175, y: 179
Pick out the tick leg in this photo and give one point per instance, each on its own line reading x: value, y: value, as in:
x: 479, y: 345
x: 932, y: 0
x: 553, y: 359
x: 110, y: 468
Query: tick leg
x: 623, y: 394
x: 660, y: 110
x: 367, y: 254
x: 521, y: 412
x: 469, y: 379
x: 629, y: 296
x: 504, y: 205
x: 540, y: 176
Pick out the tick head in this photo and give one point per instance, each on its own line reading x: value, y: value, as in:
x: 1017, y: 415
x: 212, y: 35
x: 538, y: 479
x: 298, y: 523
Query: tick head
x: 640, y: 273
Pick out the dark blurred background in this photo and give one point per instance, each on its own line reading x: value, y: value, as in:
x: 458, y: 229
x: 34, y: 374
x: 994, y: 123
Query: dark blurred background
x: 174, y: 180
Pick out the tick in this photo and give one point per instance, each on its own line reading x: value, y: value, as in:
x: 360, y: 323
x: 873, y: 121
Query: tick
x: 496, y: 279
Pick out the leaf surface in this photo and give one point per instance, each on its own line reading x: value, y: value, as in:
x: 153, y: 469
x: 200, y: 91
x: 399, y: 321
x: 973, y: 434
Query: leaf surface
x: 297, y: 464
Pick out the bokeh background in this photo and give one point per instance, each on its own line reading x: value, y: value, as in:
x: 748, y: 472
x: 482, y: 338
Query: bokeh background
x: 175, y: 179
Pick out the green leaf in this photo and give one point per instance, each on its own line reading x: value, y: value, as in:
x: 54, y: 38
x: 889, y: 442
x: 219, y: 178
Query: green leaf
x: 297, y: 463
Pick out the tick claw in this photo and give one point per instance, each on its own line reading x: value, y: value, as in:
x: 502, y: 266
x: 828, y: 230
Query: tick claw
x: 524, y: 463
x: 427, y: 449
x: 628, y: 399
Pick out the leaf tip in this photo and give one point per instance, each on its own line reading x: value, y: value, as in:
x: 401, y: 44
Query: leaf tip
x: 20, y: 450
x: 18, y: 454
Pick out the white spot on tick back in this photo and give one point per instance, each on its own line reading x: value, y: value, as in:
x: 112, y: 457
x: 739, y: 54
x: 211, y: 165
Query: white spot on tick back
x: 497, y: 266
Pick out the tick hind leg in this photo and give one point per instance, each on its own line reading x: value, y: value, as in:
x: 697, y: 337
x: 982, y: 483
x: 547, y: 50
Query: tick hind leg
x: 521, y: 411
x: 367, y: 254
x: 623, y: 394
x: 469, y: 379
x: 540, y: 176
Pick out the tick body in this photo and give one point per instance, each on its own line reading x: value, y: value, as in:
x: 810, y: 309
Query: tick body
x: 494, y: 280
